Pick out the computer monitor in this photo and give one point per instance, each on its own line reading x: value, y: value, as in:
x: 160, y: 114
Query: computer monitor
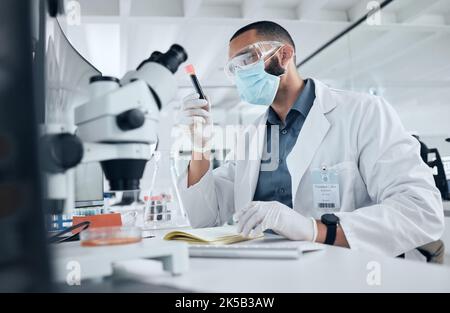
x: 68, y: 74
x: 88, y: 185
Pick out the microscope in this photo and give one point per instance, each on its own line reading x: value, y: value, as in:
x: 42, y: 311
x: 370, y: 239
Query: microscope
x: 117, y: 126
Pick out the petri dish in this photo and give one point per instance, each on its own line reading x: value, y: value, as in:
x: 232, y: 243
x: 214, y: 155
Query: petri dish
x: 110, y: 236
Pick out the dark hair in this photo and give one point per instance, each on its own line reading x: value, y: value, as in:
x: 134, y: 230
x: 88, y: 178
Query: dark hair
x: 269, y: 30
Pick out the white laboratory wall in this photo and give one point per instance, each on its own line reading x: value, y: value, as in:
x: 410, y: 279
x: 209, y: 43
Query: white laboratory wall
x: 99, y: 44
x: 431, y: 121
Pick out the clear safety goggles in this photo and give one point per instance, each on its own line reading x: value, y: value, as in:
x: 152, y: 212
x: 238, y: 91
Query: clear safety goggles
x: 250, y: 55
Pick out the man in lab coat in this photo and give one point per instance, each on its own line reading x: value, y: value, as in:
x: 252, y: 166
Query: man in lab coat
x: 346, y: 172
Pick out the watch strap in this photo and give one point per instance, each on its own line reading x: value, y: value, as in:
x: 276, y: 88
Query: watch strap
x: 331, y: 234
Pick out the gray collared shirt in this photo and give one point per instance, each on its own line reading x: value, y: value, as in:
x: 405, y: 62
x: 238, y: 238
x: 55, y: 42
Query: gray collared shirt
x: 275, y: 185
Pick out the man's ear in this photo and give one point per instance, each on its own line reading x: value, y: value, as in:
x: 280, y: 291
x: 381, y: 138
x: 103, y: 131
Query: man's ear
x: 286, y: 54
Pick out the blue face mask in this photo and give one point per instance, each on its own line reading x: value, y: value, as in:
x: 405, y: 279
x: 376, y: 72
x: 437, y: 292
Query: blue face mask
x: 255, y: 85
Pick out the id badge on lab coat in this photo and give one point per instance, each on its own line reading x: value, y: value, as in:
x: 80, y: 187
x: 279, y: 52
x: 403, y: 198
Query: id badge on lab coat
x: 326, y: 189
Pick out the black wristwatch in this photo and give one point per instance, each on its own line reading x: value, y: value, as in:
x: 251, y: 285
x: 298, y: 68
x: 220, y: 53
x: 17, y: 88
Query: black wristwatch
x: 330, y: 221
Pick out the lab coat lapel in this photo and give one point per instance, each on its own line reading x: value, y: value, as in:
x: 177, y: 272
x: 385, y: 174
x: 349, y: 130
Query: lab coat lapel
x: 310, y: 138
x: 249, y: 178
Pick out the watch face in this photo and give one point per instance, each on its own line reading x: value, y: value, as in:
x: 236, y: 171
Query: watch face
x: 330, y: 219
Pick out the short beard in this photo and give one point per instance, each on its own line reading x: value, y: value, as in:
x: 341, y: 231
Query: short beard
x: 274, y: 67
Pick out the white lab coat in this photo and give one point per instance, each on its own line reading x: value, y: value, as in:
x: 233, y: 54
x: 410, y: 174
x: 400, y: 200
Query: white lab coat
x: 389, y: 203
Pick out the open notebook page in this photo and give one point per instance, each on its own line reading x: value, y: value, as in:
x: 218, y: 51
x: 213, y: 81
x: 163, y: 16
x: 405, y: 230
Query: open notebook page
x: 212, y: 235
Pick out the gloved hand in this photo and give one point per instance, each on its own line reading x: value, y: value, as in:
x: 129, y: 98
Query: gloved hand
x: 196, y: 117
x: 260, y: 216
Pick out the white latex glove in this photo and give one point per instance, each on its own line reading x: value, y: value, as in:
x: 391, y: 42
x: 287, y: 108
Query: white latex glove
x: 260, y: 216
x: 195, y: 116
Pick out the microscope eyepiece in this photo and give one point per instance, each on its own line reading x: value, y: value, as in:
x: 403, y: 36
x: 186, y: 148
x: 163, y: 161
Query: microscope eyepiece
x: 172, y: 59
x: 154, y: 57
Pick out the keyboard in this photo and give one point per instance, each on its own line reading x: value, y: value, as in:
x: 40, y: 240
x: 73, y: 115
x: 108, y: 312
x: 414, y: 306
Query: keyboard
x: 291, y: 250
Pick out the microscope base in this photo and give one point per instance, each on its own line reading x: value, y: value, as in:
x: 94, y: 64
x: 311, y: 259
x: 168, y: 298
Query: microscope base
x: 72, y: 261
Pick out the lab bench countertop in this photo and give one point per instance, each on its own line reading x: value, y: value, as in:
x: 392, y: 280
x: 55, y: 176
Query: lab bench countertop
x: 332, y: 269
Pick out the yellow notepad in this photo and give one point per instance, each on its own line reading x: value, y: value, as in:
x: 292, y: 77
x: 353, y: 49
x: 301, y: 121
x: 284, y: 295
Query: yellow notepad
x: 213, y: 236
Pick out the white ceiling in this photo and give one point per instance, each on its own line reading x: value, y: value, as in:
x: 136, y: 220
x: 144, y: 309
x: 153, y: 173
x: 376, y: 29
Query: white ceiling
x: 409, y: 51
